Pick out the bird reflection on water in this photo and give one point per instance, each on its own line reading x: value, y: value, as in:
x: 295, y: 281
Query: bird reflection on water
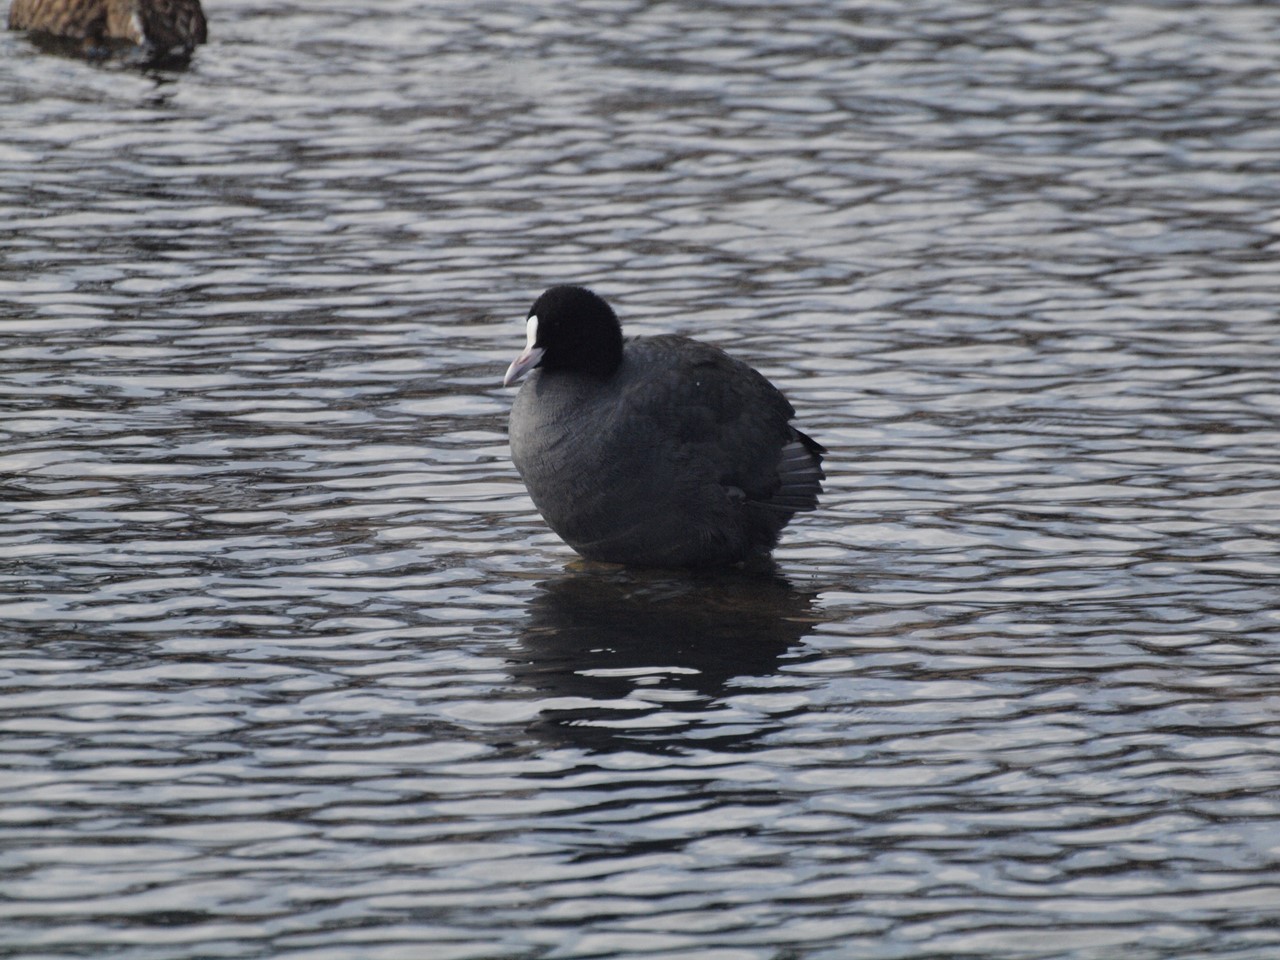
x: 639, y: 658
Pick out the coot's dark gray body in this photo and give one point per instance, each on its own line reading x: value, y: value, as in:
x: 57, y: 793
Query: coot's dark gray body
x: 680, y: 456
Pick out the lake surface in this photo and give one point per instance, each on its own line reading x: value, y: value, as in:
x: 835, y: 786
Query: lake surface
x: 290, y: 667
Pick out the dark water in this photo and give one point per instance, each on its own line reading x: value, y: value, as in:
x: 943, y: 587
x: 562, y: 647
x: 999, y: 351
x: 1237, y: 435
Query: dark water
x: 291, y: 668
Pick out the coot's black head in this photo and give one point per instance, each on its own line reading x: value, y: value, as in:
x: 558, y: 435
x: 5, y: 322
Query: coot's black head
x: 569, y: 328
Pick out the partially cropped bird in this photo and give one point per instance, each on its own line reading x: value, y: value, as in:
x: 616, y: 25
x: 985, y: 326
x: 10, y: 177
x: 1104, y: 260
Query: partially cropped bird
x: 652, y: 451
x: 158, y: 29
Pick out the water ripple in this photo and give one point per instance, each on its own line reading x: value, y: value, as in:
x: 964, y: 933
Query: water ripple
x: 291, y: 667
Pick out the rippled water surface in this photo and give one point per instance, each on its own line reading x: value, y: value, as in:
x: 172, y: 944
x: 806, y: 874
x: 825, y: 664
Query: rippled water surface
x: 291, y: 668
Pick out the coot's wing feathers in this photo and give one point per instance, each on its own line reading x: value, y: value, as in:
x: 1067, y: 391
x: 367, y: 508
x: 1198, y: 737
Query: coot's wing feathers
x: 720, y: 411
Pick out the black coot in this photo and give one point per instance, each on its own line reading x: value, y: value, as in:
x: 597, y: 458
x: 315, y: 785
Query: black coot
x: 652, y: 451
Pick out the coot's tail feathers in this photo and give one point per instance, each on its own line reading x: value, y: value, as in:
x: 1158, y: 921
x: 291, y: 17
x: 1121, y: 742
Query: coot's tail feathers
x: 810, y: 444
x: 800, y: 477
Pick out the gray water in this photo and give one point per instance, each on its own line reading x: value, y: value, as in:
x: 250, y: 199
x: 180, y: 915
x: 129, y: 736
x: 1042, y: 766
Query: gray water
x: 291, y: 668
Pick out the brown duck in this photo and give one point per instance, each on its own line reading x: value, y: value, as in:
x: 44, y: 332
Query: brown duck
x: 162, y: 28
